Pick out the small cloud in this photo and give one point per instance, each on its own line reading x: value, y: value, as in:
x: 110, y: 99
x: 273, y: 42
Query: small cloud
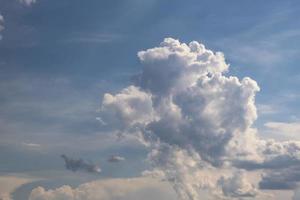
x: 27, y: 2
x: 80, y: 165
x: 115, y: 158
x: 1, y: 24
x: 32, y: 145
x: 99, y: 119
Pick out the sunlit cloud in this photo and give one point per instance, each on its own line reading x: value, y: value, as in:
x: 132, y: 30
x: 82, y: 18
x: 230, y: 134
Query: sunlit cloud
x: 125, y: 189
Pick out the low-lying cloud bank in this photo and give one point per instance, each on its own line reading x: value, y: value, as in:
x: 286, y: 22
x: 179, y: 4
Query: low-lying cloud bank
x: 9, y: 183
x: 114, y: 189
x: 197, y: 122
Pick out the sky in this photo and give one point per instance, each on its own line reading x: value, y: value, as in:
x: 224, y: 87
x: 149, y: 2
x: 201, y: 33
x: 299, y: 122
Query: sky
x: 156, y: 93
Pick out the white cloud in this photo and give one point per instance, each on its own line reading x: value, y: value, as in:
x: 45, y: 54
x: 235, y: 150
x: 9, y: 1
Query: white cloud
x: 31, y: 145
x: 115, y: 158
x: 175, y: 65
x: 28, y: 2
x: 201, y: 104
x: 186, y: 109
x: 114, y: 189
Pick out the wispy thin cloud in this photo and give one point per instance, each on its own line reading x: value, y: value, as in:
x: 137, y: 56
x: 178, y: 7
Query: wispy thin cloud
x: 115, y: 158
x: 1, y: 24
x: 92, y: 38
x: 262, y: 46
x: 286, y: 129
x: 265, y: 109
x: 31, y: 145
x: 27, y: 2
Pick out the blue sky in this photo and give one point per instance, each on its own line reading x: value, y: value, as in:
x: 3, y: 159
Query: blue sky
x: 58, y: 58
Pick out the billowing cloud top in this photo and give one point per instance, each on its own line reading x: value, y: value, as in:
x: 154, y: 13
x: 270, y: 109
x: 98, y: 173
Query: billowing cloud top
x: 174, y: 65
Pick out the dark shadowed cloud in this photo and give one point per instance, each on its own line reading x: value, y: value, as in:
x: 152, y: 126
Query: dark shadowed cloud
x: 80, y: 165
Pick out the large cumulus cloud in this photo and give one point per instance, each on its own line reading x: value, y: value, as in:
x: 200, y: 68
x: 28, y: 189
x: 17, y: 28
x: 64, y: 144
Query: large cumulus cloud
x: 187, y: 110
x: 182, y: 98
